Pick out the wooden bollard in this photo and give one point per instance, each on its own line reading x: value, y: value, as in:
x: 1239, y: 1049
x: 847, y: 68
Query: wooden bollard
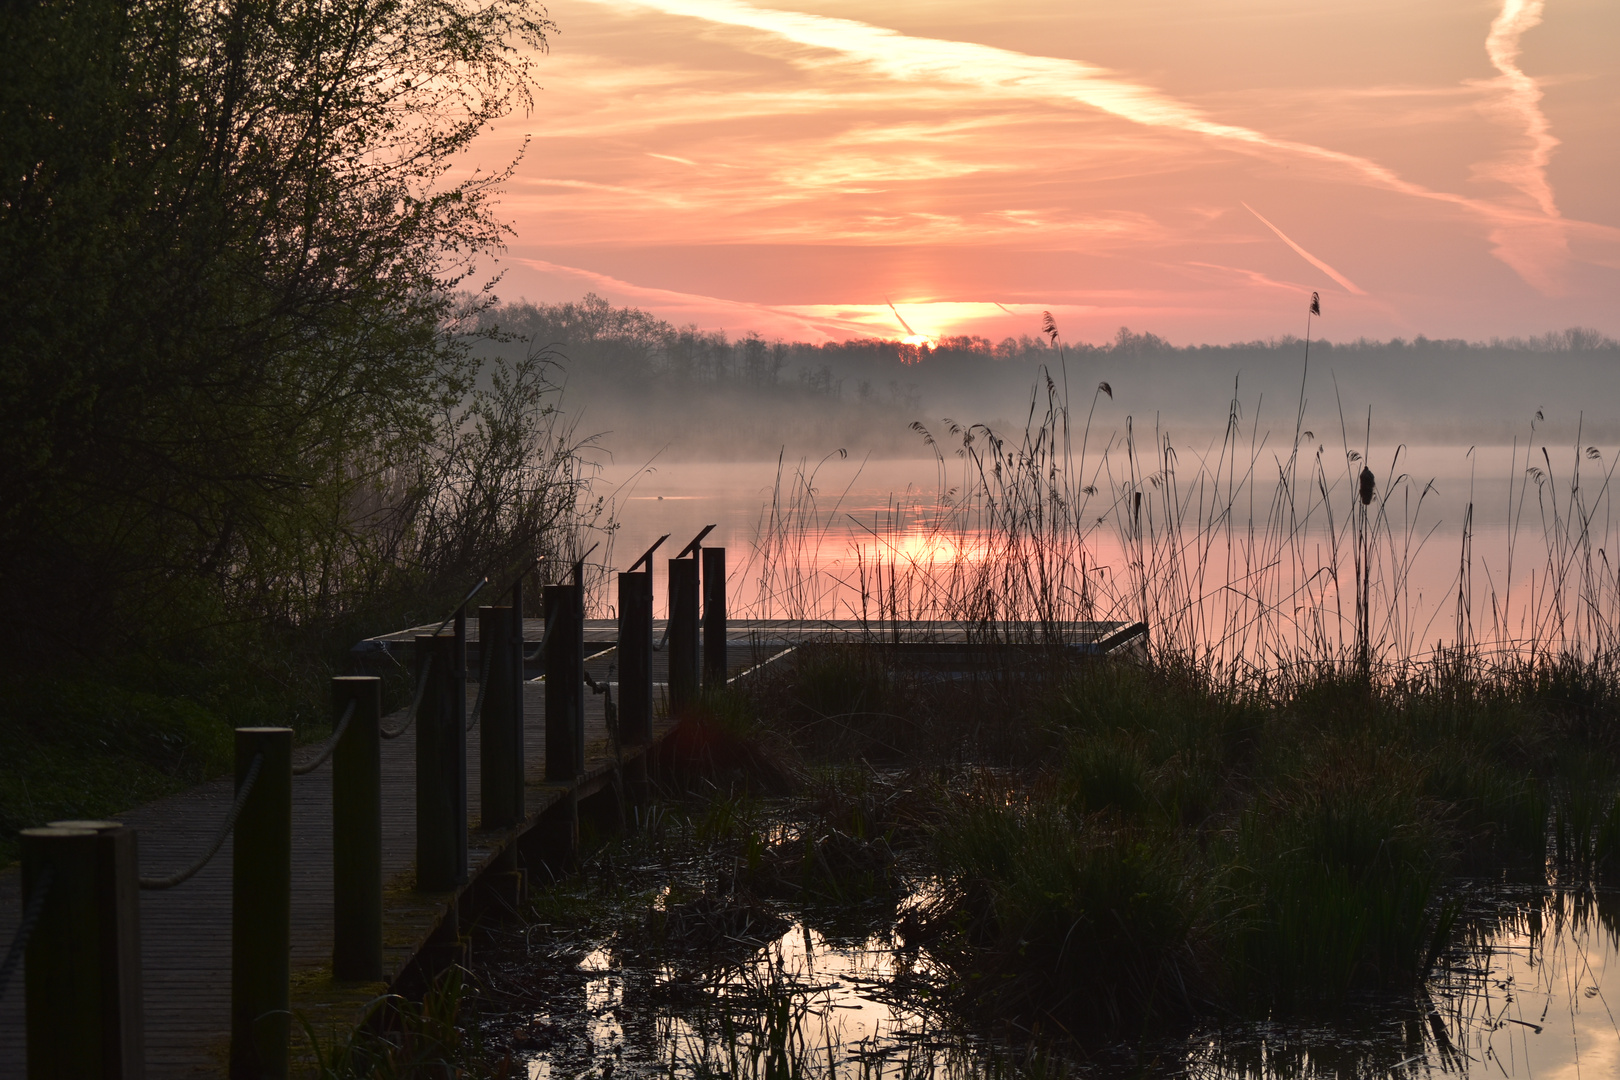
x: 261, y: 908
x: 565, y: 682
x: 635, y: 656
x: 82, y: 997
x: 441, y: 768
x: 684, y: 659
x: 500, y: 751
x: 714, y: 617
x: 516, y: 680
x: 118, y: 899
x: 357, y: 879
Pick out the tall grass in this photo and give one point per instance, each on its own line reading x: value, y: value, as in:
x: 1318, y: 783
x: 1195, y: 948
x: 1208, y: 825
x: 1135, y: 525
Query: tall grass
x: 1242, y: 557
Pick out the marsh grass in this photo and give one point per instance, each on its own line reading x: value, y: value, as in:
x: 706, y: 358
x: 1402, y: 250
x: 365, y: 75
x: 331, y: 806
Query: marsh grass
x: 1250, y: 560
x: 401, y: 1039
x: 1113, y: 843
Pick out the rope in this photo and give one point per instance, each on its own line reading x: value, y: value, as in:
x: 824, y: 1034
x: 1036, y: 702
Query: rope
x: 19, y: 942
x: 541, y: 648
x: 327, y: 748
x: 663, y: 640
x: 219, y: 840
x: 410, y: 713
x: 483, y: 680
x: 450, y: 618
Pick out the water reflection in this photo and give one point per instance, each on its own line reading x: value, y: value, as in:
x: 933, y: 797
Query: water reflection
x: 1528, y: 992
x: 1464, y: 540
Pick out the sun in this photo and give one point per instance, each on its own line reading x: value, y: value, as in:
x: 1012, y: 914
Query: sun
x: 920, y: 340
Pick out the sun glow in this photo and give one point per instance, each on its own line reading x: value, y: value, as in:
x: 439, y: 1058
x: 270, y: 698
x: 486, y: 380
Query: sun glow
x: 806, y: 176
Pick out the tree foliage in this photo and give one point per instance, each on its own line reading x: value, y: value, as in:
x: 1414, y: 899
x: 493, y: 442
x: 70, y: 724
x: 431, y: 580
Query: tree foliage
x: 233, y: 234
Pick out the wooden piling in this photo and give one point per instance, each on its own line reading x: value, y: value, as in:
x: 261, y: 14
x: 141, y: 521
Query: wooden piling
x: 635, y: 657
x: 357, y: 877
x: 714, y: 617
x: 684, y: 658
x: 565, y: 682
x: 441, y: 768
x: 64, y: 995
x: 516, y: 680
x: 500, y: 752
x: 261, y: 908
x: 118, y: 902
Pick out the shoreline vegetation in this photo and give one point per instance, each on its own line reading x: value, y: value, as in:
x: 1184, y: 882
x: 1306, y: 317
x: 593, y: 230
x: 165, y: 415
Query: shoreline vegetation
x: 1073, y: 863
x: 651, y: 387
x: 253, y: 409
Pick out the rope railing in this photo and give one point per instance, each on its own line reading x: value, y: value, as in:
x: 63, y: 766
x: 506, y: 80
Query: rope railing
x: 483, y: 681
x: 327, y: 747
x: 450, y: 618
x: 219, y: 839
x: 540, y: 649
x: 19, y: 940
x: 416, y: 703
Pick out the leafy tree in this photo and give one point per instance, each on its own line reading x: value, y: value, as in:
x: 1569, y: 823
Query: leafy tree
x: 231, y: 238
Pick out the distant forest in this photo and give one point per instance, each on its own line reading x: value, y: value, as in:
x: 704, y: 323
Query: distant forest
x: 644, y: 384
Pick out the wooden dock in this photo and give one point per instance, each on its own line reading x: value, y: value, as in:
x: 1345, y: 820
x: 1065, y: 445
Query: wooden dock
x: 186, y: 931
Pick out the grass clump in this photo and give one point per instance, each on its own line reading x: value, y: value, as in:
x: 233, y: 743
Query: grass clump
x: 1043, y: 913
x: 401, y: 1039
x: 1103, y: 844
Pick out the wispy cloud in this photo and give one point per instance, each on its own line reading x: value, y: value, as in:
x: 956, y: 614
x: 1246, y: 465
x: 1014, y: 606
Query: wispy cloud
x: 1526, y: 171
x: 1307, y: 256
x: 1526, y: 238
x: 1538, y: 251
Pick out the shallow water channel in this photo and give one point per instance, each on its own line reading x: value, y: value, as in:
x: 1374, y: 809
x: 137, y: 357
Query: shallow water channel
x: 605, y: 983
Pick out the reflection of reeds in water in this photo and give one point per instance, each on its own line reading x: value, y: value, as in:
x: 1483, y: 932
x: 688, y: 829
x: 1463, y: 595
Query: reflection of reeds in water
x: 1237, y: 556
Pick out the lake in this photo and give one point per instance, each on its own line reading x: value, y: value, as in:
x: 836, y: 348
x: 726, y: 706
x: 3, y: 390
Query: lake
x: 1213, y: 545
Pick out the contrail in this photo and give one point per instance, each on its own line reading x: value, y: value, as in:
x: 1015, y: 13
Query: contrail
x: 1524, y: 98
x: 899, y: 316
x: 1307, y: 256
x: 1520, y: 233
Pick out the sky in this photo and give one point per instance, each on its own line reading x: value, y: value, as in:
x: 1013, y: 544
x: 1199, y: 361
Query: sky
x: 1192, y: 168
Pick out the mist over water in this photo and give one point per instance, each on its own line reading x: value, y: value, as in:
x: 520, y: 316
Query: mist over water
x: 874, y: 511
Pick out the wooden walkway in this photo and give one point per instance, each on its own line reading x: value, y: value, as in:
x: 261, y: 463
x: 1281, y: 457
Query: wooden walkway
x: 186, y: 931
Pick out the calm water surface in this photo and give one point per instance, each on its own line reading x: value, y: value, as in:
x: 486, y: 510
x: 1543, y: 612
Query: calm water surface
x: 1528, y: 519
x: 1533, y: 998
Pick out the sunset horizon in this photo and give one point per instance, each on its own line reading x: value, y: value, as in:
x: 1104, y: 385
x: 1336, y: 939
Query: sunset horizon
x: 1194, y: 171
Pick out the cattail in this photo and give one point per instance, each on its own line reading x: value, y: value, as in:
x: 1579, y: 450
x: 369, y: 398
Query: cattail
x: 1368, y: 484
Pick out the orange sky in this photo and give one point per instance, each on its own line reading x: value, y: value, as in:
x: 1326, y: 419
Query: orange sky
x: 1188, y: 167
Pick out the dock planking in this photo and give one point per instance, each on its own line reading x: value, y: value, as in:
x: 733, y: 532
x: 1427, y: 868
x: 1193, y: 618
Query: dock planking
x: 186, y: 931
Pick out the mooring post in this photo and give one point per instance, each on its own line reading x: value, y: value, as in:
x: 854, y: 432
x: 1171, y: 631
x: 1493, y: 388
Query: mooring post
x: 635, y: 656
x: 684, y: 658
x: 357, y: 879
x: 499, y: 804
x: 441, y: 769
x: 714, y: 617
x: 576, y: 634
x: 82, y: 992
x: 261, y: 908
x: 515, y: 678
x: 118, y: 900
x: 565, y: 751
